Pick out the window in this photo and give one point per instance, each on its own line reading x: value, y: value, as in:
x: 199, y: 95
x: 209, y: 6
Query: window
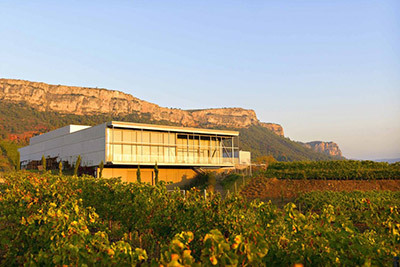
x: 126, y: 153
x: 128, y: 136
x: 117, y: 153
x: 146, y: 154
x: 154, y: 154
x: 156, y: 138
x: 145, y: 137
x: 117, y: 136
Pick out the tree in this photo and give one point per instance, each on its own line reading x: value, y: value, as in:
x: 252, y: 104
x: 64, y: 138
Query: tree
x: 18, y: 167
x: 101, y: 167
x: 265, y: 160
x: 139, y: 180
x: 77, y: 164
x: 156, y: 173
x: 44, y: 163
x: 60, y: 166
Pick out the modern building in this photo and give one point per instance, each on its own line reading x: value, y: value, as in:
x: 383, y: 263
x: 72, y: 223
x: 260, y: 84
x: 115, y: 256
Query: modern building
x: 180, y: 152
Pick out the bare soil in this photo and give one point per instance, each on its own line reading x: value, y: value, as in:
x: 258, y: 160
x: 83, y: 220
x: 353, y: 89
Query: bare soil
x: 272, y: 188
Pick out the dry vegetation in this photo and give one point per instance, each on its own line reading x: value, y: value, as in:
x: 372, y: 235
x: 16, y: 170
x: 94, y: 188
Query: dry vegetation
x: 272, y: 188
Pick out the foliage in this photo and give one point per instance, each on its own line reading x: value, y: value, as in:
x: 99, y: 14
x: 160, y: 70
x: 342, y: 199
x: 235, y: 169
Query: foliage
x: 261, y: 141
x: 43, y: 222
x: 211, y: 181
x: 156, y: 173
x: 77, y: 164
x: 334, y: 170
x: 44, y: 163
x: 9, y: 155
x: 61, y: 220
x: 359, y: 207
x: 229, y: 180
x: 267, y: 160
x: 101, y: 167
x: 138, y: 176
x: 60, y: 167
x: 19, y: 122
x: 206, y: 180
x: 178, y: 252
x: 18, y: 167
x: 5, y: 165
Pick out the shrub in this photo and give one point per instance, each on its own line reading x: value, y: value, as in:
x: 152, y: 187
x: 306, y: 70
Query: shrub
x: 139, y: 179
x: 101, y: 167
x: 77, y: 164
x: 156, y: 173
x: 44, y: 163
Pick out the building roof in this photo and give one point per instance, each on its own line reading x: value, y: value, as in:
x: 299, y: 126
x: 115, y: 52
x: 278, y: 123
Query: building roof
x: 131, y: 125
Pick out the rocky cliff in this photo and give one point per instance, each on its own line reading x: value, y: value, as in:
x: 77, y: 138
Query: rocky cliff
x: 276, y: 128
x: 83, y: 101
x: 328, y: 148
x: 90, y: 101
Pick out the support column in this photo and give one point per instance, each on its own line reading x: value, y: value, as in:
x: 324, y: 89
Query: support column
x: 233, y: 156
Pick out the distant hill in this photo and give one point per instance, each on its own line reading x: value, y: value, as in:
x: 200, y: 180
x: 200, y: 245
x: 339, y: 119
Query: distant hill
x: 328, y: 148
x: 388, y: 160
x: 261, y: 141
x: 30, y: 108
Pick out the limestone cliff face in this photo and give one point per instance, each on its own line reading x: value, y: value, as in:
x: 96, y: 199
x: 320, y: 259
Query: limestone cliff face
x: 276, y: 128
x: 83, y: 100
x: 224, y: 116
x: 329, y: 148
x: 87, y: 101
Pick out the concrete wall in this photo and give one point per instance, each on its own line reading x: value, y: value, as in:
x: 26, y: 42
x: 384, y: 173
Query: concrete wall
x: 67, y: 144
x: 176, y: 176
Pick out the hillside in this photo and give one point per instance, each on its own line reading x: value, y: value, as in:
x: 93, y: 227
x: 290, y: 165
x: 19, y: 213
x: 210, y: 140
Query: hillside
x: 92, y: 101
x: 30, y: 108
x: 261, y: 141
x: 18, y: 122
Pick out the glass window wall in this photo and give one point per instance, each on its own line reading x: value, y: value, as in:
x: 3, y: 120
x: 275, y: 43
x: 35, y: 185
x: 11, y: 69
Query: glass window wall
x: 127, y: 146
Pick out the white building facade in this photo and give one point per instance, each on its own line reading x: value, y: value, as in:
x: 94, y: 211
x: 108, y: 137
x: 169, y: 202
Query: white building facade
x: 123, y: 146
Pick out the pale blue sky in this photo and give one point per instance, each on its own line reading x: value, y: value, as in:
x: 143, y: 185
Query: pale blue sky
x: 325, y: 70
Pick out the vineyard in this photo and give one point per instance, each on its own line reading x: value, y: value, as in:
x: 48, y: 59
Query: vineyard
x: 333, y: 170
x: 64, y: 220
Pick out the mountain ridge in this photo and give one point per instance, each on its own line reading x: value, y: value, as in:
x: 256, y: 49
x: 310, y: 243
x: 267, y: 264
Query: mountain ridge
x: 85, y: 100
x: 72, y: 104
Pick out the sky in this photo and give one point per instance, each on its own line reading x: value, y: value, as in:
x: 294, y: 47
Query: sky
x: 324, y: 70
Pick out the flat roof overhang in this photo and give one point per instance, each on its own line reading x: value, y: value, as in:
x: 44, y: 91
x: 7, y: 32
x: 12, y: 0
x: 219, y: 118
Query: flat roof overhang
x: 165, y: 128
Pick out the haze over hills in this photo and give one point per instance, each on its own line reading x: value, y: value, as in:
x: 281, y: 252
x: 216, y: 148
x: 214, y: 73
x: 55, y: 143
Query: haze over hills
x: 30, y: 108
x: 388, y: 160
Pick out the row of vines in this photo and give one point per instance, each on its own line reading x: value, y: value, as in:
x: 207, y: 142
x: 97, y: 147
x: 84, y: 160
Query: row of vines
x: 334, y: 170
x: 47, y: 219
